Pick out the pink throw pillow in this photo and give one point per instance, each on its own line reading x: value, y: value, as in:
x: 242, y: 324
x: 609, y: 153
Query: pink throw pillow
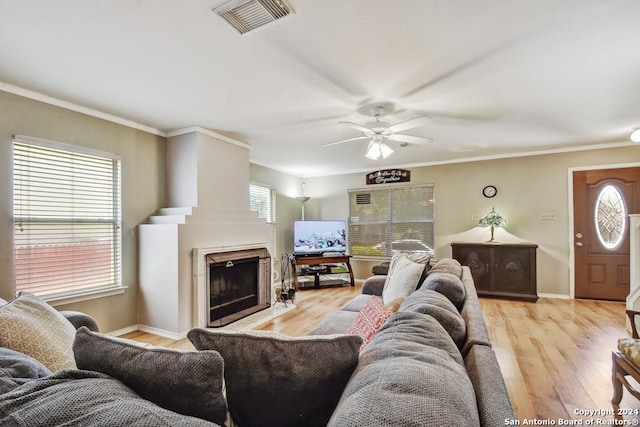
x: 369, y: 320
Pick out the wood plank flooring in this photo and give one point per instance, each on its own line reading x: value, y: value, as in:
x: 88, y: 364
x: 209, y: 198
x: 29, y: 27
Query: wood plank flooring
x: 555, y: 354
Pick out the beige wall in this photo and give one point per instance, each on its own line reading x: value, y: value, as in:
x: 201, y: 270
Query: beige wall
x: 526, y: 187
x: 143, y: 189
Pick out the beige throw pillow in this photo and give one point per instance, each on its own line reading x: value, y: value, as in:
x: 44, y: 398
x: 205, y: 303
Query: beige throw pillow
x: 31, y: 326
x: 402, y: 279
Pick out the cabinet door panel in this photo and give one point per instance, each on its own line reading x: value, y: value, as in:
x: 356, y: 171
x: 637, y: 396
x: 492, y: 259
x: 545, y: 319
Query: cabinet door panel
x: 513, y: 270
x: 478, y: 259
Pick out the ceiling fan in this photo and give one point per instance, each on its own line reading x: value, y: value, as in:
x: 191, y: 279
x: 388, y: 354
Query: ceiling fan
x: 378, y: 131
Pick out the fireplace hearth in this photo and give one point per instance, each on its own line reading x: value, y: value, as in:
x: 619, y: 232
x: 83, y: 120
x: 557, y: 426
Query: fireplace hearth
x: 237, y: 284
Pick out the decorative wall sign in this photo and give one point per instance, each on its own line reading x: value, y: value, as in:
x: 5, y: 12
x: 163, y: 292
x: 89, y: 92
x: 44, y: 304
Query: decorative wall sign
x: 388, y: 176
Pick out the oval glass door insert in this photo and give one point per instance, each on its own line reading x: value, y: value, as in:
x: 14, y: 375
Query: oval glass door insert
x: 610, y: 217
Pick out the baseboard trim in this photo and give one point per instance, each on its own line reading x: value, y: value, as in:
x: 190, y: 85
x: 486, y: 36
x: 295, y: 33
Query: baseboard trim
x: 556, y: 296
x: 123, y: 331
x: 162, y: 332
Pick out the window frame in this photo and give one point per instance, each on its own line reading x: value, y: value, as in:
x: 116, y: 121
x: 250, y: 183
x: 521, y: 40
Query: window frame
x: 271, y: 217
x: 27, y: 145
x: 387, y: 217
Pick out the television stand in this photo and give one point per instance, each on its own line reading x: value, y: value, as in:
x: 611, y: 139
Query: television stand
x: 318, y: 265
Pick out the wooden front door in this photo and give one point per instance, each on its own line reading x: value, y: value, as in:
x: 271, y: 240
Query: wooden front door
x: 602, y: 201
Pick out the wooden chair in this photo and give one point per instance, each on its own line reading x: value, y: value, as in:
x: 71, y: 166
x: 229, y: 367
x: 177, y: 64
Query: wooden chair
x: 624, y: 367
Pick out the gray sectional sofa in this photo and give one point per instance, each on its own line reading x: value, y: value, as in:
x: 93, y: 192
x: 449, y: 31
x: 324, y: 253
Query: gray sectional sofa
x: 430, y: 364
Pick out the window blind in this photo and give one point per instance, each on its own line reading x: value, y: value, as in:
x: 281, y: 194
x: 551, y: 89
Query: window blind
x: 263, y: 200
x: 67, y: 218
x: 385, y: 220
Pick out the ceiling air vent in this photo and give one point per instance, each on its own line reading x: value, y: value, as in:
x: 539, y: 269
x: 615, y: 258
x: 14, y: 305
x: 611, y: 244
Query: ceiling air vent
x: 247, y: 15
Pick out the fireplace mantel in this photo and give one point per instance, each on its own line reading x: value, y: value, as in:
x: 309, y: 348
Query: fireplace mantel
x: 199, y: 279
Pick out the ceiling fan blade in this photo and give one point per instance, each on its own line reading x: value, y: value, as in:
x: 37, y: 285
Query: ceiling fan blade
x: 411, y: 123
x: 345, y: 140
x: 357, y: 126
x: 410, y: 139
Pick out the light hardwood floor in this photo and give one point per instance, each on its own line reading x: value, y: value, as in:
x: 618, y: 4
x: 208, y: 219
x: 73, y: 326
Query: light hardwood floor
x: 555, y: 354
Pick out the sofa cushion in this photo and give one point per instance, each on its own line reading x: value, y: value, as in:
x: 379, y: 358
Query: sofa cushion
x: 357, y: 303
x: 186, y: 382
x: 31, y: 326
x: 630, y: 347
x: 337, y: 322
x: 370, y: 319
x: 273, y: 379
x: 438, y: 306
x: 84, y: 398
x: 448, y: 285
x: 447, y: 265
x: 402, y: 279
x: 17, y: 368
x: 410, y: 374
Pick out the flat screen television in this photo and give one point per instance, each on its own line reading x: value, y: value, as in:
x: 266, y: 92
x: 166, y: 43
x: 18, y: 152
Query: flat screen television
x: 318, y: 237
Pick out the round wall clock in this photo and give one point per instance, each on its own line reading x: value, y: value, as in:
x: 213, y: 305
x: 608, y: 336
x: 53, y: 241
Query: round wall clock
x: 489, y: 191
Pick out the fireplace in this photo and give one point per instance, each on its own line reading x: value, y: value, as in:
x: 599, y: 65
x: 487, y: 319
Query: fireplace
x: 237, y: 284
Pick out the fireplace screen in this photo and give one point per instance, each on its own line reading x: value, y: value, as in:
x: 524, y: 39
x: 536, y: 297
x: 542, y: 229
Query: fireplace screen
x: 239, y: 283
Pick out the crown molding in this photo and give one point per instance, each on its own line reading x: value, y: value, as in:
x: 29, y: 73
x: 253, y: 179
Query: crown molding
x: 36, y: 96
x: 208, y: 132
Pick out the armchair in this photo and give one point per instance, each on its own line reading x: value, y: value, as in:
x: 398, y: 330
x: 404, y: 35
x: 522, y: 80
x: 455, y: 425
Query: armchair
x: 626, y: 363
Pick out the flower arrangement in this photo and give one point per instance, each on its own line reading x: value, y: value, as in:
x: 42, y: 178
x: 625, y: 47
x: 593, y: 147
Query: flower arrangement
x: 493, y: 219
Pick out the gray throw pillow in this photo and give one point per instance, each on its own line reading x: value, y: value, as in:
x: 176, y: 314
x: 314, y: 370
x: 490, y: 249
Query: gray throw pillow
x: 439, y: 307
x: 273, y: 379
x: 186, y: 382
x: 17, y: 368
x: 448, y: 265
x: 448, y: 285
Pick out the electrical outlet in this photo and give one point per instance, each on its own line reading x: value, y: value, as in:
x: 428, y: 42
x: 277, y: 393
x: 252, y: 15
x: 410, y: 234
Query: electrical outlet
x: 547, y: 216
x: 475, y: 218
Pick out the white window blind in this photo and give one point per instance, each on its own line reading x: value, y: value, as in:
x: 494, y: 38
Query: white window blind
x: 386, y: 220
x: 263, y: 200
x: 67, y: 217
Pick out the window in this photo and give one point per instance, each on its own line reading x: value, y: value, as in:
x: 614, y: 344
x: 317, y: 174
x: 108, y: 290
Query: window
x: 610, y: 217
x: 263, y: 200
x: 67, y: 218
x: 382, y: 221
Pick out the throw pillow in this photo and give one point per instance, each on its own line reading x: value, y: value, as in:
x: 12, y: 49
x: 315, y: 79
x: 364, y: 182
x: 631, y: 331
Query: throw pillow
x: 273, y: 379
x: 402, y: 279
x: 630, y: 347
x: 17, y: 368
x: 186, y: 382
x: 439, y: 307
x: 371, y: 317
x: 31, y: 326
x: 447, y: 265
x: 448, y: 285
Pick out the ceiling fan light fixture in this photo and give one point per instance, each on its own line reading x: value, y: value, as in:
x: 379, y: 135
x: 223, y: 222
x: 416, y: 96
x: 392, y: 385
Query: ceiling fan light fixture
x: 385, y: 150
x: 376, y: 150
x: 635, y: 135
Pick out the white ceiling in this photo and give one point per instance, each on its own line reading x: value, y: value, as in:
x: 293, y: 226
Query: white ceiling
x: 498, y: 77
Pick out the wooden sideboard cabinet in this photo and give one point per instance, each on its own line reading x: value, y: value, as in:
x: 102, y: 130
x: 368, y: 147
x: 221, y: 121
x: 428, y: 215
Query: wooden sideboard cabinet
x: 506, y: 270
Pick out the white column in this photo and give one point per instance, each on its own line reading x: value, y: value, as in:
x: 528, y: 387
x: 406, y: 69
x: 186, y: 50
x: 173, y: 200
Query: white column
x: 633, y: 300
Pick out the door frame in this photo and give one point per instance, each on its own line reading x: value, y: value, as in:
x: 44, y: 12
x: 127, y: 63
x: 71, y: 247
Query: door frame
x: 570, y: 171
